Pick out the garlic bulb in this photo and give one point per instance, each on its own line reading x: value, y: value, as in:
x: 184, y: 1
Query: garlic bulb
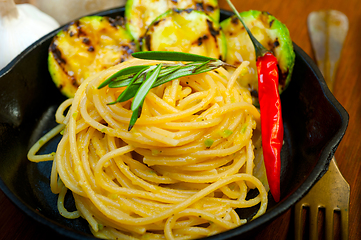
x: 20, y: 26
x: 65, y: 11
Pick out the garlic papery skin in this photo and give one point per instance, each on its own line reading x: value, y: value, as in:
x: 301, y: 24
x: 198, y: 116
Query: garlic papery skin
x: 20, y: 26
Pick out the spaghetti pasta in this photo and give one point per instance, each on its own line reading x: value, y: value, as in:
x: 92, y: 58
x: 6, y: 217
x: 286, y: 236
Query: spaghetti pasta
x: 180, y: 173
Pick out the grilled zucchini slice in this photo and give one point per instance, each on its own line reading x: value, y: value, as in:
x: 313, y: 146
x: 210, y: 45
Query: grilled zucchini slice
x: 186, y: 30
x: 141, y: 13
x: 271, y: 33
x: 87, y: 46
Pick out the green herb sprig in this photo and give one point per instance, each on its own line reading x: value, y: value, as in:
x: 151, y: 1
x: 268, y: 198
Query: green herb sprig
x: 138, y: 80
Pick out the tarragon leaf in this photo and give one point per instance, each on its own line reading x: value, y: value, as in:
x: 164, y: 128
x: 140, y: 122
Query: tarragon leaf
x: 135, y: 115
x: 171, y: 56
x: 125, y: 71
x: 145, y: 87
x: 130, y: 91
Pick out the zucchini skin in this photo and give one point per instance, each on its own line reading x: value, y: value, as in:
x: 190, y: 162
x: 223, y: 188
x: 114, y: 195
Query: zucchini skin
x: 85, y: 47
x: 273, y: 35
x: 186, y: 30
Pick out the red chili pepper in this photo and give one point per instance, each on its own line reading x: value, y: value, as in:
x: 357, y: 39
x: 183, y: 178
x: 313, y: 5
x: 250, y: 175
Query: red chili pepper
x: 270, y: 105
x: 271, y: 120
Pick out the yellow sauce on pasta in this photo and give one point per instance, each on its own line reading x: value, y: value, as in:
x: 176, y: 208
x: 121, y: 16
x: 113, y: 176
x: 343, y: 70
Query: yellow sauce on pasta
x: 181, y: 172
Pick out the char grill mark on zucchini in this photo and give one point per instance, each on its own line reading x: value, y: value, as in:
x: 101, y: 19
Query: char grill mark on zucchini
x: 271, y: 33
x: 185, y: 30
x: 85, y: 47
x: 62, y: 62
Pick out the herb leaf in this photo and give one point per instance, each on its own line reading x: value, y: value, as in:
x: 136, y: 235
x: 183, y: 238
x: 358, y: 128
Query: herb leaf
x: 171, y: 56
x: 145, y: 87
x: 134, y: 118
x: 141, y: 93
x: 125, y: 71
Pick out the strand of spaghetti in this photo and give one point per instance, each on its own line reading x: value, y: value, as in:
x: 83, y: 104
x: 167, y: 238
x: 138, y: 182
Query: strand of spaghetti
x: 207, y: 165
x: 186, y: 137
x: 232, y: 192
x: 83, y: 149
x: 148, y: 175
x: 250, y: 157
x: 41, y: 142
x: 232, y: 80
x: 237, y: 203
x: 152, y: 97
x: 191, y: 158
x: 218, y: 152
x: 192, y: 125
x: 103, y: 220
x: 183, y: 205
x: 85, y: 212
x: 222, y: 73
x: 197, y: 178
x: 174, y: 151
x: 113, y: 154
x: 198, y: 139
x: 130, y: 175
x: 188, y: 112
x: 81, y: 124
x: 162, y: 196
x: 157, y: 137
x: 73, y: 145
x: 173, y: 89
x: 194, y: 212
x: 61, y: 153
x: 61, y: 208
x: 120, y: 133
x: 236, y: 107
x: 59, y: 115
x: 243, y: 189
x: 191, y: 98
x: 61, y: 159
x: 195, y: 232
x: 55, y: 183
x: 198, y: 144
x: 103, y: 110
x: 235, y: 218
x: 118, y: 235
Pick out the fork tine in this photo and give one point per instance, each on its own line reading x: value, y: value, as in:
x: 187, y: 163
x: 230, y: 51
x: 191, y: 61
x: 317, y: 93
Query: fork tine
x: 313, y: 210
x: 298, y: 220
x: 344, y: 223
x: 329, y: 222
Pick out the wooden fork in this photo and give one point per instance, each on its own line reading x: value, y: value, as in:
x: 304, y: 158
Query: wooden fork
x: 327, y: 30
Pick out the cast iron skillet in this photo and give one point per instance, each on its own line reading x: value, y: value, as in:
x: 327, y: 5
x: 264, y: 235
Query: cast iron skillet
x: 314, y: 124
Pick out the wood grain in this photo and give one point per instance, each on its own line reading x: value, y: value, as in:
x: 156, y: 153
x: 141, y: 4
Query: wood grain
x: 14, y: 224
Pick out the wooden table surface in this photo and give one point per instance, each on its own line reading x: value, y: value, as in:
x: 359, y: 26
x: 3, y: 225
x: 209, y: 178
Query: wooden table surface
x: 14, y: 224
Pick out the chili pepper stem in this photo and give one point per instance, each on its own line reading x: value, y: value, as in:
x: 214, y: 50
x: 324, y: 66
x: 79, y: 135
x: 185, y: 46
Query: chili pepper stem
x: 259, y: 48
